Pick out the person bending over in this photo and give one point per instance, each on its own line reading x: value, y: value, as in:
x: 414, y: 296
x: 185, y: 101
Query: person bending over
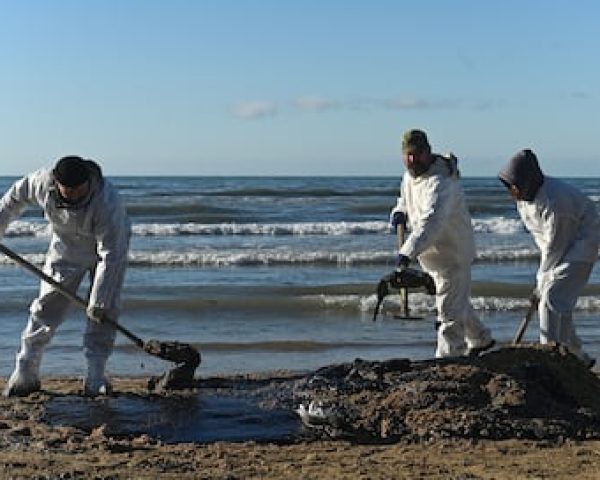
x: 90, y: 235
x: 565, y: 226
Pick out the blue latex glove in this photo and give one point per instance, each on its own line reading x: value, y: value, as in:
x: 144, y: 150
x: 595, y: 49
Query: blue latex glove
x: 402, y: 261
x: 397, y: 219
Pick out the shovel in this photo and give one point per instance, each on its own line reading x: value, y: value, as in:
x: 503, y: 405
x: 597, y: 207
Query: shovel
x: 184, y: 355
x: 533, y: 304
x: 404, y: 310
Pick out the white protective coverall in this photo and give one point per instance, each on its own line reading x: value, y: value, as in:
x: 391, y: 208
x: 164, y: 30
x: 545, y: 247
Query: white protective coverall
x: 442, y: 240
x: 91, y: 238
x: 566, y: 228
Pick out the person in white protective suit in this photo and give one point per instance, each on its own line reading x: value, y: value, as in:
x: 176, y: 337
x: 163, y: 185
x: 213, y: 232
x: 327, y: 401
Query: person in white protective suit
x: 565, y: 226
x: 90, y: 235
x: 441, y: 238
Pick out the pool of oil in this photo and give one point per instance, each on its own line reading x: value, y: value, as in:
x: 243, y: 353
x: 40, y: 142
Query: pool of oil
x: 198, y: 419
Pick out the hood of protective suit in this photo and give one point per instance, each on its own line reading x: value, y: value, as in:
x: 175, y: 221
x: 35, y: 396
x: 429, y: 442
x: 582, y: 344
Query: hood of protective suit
x: 95, y: 178
x: 438, y: 165
x: 444, y: 165
x: 524, y: 172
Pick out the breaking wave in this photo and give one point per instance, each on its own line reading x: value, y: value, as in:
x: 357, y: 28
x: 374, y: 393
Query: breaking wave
x: 495, y: 225
x: 275, y: 256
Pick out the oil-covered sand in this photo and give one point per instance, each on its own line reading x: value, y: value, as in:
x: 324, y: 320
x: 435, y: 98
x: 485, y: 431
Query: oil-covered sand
x: 526, y: 412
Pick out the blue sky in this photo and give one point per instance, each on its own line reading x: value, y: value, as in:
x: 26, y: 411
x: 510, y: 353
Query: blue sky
x: 297, y: 87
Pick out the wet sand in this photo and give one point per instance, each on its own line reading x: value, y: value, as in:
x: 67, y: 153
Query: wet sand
x: 31, y: 448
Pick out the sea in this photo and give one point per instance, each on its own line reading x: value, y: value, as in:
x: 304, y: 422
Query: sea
x: 270, y: 273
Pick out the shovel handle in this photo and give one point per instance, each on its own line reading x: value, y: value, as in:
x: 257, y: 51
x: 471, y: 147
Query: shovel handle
x: 67, y: 293
x: 401, y: 233
x: 533, y: 304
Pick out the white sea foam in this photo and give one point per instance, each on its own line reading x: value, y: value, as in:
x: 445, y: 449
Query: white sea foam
x: 35, y: 258
x: 21, y: 228
x: 257, y: 257
x: 497, y: 225
x: 280, y: 256
x: 498, y: 254
x: 421, y: 303
x: 304, y: 228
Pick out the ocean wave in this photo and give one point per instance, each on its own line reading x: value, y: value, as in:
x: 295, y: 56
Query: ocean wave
x: 281, y: 256
x: 174, y: 258
x: 498, y: 225
x: 181, y: 208
x: 420, y: 303
x: 23, y: 228
x: 423, y: 304
x: 35, y: 258
x: 507, y: 254
x: 301, y: 192
x: 33, y: 229
x: 259, y: 257
x: 495, y: 225
x: 273, y: 229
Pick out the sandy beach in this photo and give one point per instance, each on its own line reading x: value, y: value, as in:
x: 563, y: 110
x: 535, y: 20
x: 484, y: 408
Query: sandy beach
x: 31, y: 448
x: 64, y: 453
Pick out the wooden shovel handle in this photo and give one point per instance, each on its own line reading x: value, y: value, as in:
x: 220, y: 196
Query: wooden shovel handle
x: 401, y: 233
x: 533, y: 304
x: 67, y: 293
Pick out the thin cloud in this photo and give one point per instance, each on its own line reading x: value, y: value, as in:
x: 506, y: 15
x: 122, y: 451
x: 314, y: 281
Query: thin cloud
x: 315, y: 103
x: 417, y: 104
x: 580, y: 95
x: 484, y: 105
x: 255, y: 109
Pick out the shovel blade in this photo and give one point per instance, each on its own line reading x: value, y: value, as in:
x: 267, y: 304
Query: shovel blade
x: 178, y: 378
x: 184, y: 355
x: 176, y: 352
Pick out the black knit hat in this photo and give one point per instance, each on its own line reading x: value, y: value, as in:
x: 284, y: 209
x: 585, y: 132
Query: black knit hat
x: 415, y: 141
x: 71, y: 171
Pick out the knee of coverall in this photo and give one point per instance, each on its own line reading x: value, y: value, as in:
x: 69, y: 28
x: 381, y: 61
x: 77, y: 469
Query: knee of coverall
x: 453, y: 289
x: 47, y: 312
x: 558, y: 300
x: 50, y: 307
x: 555, y: 312
x: 564, y: 285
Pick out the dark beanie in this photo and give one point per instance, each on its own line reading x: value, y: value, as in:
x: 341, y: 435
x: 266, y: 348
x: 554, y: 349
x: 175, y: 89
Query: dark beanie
x: 71, y: 171
x: 415, y: 141
x: 523, y: 171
